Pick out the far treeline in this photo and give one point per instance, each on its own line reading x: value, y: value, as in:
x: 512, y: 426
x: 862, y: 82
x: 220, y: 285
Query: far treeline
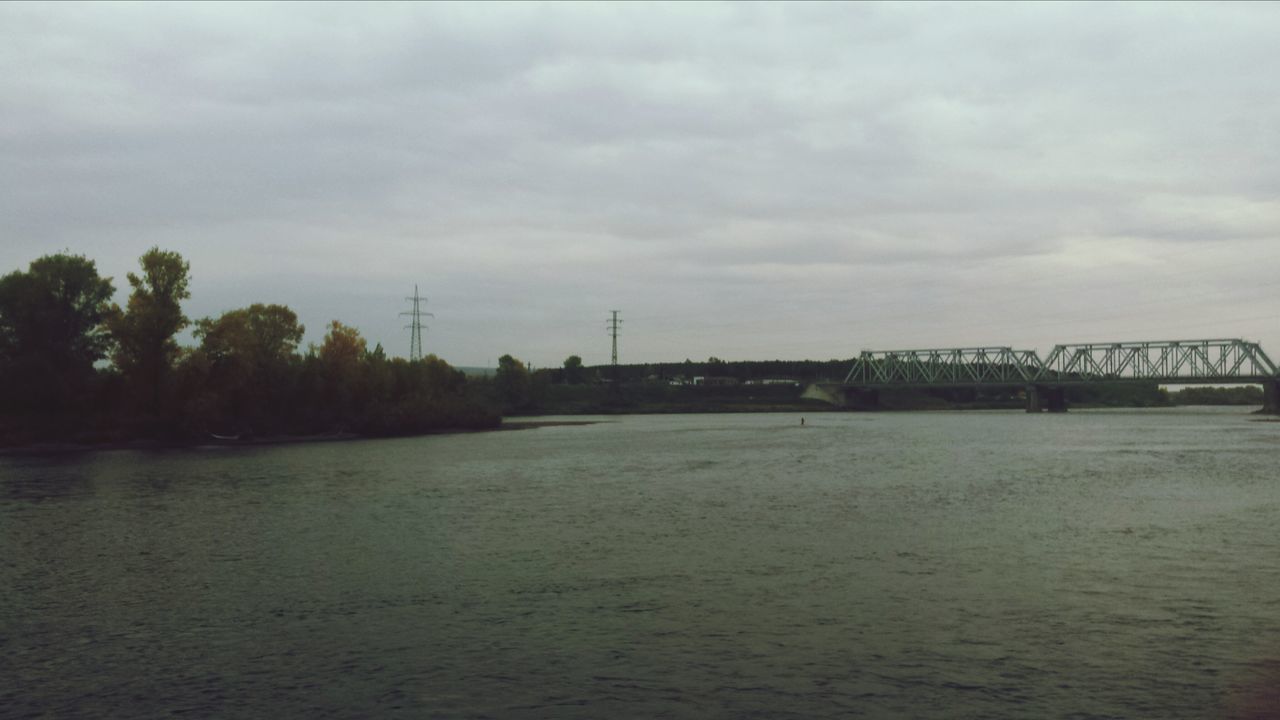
x: 74, y: 367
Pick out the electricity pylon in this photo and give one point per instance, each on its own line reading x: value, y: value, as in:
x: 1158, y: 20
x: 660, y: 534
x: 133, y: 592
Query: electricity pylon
x: 415, y: 324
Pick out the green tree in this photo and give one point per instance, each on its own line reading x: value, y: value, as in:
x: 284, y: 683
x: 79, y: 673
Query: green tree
x: 512, y: 380
x: 250, y: 352
x: 573, y: 370
x: 51, y: 331
x: 258, y: 337
x: 144, y: 330
x: 380, y: 376
x: 436, y: 378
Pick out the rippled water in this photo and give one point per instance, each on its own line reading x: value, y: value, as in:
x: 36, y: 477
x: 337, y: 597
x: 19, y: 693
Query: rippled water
x: 1093, y: 564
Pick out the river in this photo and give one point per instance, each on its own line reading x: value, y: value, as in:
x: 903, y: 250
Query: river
x: 1095, y: 564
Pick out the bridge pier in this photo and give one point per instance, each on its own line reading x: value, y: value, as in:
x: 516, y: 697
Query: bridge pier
x: 1044, y: 397
x: 1057, y: 400
x: 1271, y: 397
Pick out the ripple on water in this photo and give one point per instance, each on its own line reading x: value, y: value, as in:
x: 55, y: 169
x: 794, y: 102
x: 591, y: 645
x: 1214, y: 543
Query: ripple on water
x: 897, y: 565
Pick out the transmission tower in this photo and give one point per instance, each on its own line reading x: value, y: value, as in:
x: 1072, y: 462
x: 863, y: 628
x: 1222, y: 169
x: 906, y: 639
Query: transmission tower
x: 612, y: 325
x: 415, y: 324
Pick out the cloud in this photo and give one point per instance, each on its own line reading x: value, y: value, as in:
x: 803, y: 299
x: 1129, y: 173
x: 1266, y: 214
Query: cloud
x: 815, y: 177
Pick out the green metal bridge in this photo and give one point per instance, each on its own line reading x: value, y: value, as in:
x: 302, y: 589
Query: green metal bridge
x: 1178, y: 362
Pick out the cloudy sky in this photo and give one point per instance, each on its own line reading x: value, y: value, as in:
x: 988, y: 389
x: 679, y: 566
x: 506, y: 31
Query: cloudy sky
x: 749, y: 181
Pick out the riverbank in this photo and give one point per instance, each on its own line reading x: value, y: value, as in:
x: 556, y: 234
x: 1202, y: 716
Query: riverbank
x: 649, y: 398
x: 58, y: 448
x: 535, y: 424
x: 664, y: 399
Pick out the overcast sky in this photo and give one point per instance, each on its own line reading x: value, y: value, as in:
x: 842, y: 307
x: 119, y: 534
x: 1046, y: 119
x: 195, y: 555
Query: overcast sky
x: 749, y: 181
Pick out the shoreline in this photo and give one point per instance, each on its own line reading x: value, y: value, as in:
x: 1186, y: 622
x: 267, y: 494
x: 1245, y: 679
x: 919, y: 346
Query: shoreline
x: 67, y: 448
x: 515, y: 423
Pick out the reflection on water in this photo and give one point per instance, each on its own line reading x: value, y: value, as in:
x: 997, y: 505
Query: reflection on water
x: 1094, y: 564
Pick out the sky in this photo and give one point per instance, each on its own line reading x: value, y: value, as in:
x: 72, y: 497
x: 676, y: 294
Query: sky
x: 745, y: 181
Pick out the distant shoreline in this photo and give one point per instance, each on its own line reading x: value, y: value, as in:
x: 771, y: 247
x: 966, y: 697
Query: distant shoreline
x: 534, y: 424
x: 516, y: 422
x: 67, y: 448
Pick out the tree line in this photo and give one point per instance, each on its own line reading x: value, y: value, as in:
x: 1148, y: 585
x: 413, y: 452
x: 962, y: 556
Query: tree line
x: 1239, y: 395
x: 74, y: 366
x: 574, y: 372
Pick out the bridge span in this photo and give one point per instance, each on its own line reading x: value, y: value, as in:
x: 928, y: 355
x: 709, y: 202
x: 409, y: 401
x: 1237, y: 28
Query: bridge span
x: 1173, y: 362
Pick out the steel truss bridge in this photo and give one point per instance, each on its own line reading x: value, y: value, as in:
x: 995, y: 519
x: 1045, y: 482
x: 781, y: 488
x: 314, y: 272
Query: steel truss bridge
x: 1221, y: 361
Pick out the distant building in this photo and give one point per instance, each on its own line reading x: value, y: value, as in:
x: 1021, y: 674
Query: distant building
x: 714, y: 380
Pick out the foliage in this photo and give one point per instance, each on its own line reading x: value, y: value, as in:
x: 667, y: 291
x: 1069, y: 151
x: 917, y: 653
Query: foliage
x: 258, y: 337
x: 513, y: 383
x: 1124, y: 394
x: 144, y: 331
x: 798, y: 370
x: 245, y: 378
x: 342, y: 356
x: 1242, y: 395
x: 342, y: 350
x: 51, y: 331
x: 573, y: 371
x: 249, y: 353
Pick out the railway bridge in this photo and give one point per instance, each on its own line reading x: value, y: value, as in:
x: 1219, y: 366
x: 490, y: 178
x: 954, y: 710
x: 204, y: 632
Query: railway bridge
x: 1174, y: 362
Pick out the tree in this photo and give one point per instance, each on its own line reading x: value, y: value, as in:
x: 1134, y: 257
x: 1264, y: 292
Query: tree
x: 436, y: 378
x: 512, y: 380
x: 260, y: 336
x: 249, y: 352
x: 381, y: 379
x: 55, y: 310
x: 573, y: 370
x: 51, y: 330
x: 343, y: 348
x: 143, y: 332
x: 342, y: 358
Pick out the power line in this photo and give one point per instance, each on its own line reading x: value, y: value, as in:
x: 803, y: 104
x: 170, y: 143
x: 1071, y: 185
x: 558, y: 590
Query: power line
x: 415, y: 325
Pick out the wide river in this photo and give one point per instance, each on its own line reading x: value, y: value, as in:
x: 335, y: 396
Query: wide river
x: 899, y: 565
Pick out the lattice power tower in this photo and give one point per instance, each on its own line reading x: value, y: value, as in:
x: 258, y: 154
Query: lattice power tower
x: 415, y: 325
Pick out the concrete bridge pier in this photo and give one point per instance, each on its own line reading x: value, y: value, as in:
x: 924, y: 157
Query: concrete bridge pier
x: 1033, y: 399
x: 844, y: 396
x: 1044, y: 397
x: 1271, y: 397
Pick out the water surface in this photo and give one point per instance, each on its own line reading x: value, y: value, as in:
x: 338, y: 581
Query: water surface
x: 1093, y: 564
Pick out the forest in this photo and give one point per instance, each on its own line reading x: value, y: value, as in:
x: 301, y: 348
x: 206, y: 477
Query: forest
x: 77, y: 368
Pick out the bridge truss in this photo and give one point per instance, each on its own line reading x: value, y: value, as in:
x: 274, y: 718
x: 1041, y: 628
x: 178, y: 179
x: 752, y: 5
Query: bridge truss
x: 959, y: 366
x: 1172, y: 361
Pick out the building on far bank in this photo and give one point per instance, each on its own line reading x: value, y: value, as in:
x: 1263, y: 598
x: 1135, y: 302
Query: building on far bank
x: 714, y: 380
